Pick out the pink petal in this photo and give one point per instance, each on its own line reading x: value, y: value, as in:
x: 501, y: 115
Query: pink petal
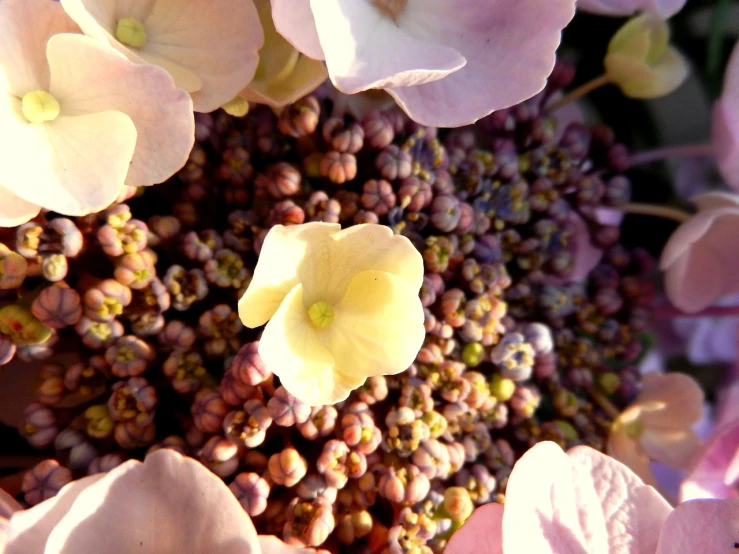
x: 72, y: 165
x: 585, y: 254
x: 481, y: 533
x: 272, y: 545
x: 29, y: 529
x: 665, y: 8
x: 8, y: 505
x: 701, y: 526
x: 502, y: 68
x: 626, y: 450
x: 725, y: 123
x: 25, y: 26
x: 545, y: 510
x: 715, y: 474
x: 715, y: 200
x: 674, y: 448
x: 633, y: 512
x: 294, y: 21
x: 365, y: 48
x: 105, y: 80
x: 169, y: 503
x: 15, y: 210
x: 672, y: 401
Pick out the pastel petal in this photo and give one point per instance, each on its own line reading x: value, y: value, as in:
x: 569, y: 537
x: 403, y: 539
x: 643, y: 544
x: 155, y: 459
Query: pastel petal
x: 217, y: 40
x: 144, y: 508
x: 482, y: 532
x: 8, y: 505
x: 15, y: 210
x: 378, y: 326
x: 714, y: 474
x: 684, y: 237
x: 674, y: 448
x: 585, y: 254
x: 307, y: 75
x: 327, y: 274
x: 3, y: 533
x: 185, y: 78
x: 672, y: 401
x: 706, y: 526
x: 626, y: 450
x: 664, y: 8
x: 366, y: 49
x: 25, y: 26
x: 161, y: 113
x: 29, y: 529
x: 292, y: 350
x: 715, y: 200
x: 284, y: 249
x: 543, y: 509
x: 725, y: 139
x: 639, y: 80
x: 272, y: 545
x: 294, y: 20
x: 72, y: 165
x: 633, y: 512
x: 501, y: 69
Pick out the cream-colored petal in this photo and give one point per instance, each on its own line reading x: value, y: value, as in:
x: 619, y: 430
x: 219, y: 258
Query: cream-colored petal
x: 328, y: 387
x: 72, y: 165
x: 674, y: 448
x: 353, y: 250
x: 284, y: 249
x: 277, y: 56
x: 87, y: 77
x: 625, y: 449
x: 378, y: 326
x: 670, y: 401
x: 25, y: 26
x: 305, y: 78
x: 185, y: 78
x: 217, y: 40
x: 14, y: 210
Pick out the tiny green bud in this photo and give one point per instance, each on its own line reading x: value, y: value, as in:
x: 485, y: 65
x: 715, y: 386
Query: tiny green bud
x: 321, y: 314
x: 473, y: 354
x: 502, y: 388
x: 39, y: 106
x: 131, y: 32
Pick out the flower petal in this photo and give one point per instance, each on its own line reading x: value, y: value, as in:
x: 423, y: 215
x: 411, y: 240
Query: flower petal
x: 294, y: 20
x: 15, y: 210
x: 366, y: 48
x: 664, y: 8
x: 106, y: 80
x: 25, y: 26
x: 710, y: 475
x: 29, y: 529
x: 353, y: 250
x: 272, y: 545
x: 673, y: 448
x: 378, y: 326
x: 672, y: 401
x: 707, y: 526
x: 185, y: 79
x: 502, y: 69
x: 8, y: 505
x: 284, y: 249
x: 292, y: 350
x: 482, y: 532
x: 72, y: 165
x: 624, y: 449
x: 307, y: 75
x: 633, y: 512
x: 168, y: 503
x: 544, y: 509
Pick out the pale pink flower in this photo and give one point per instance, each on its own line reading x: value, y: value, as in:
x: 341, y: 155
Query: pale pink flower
x: 168, y: 503
x: 725, y: 124
x: 557, y: 503
x: 658, y: 426
x: 77, y: 120
x: 699, y: 259
x: 447, y: 63
x: 208, y: 46
x: 663, y: 8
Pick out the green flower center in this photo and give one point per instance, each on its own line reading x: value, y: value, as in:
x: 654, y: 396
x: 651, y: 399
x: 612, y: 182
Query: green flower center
x: 321, y: 314
x: 131, y: 32
x: 39, y: 106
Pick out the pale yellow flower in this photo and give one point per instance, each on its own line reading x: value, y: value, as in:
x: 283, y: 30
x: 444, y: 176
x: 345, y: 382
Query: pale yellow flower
x: 658, y: 425
x: 342, y: 306
x: 641, y: 61
x: 283, y: 75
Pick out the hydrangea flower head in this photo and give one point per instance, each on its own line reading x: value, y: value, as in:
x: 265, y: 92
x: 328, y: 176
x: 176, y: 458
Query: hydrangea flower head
x: 168, y: 503
x: 658, y: 425
x: 699, y: 259
x: 283, y: 75
x: 641, y: 61
x: 342, y: 306
x: 77, y: 120
x: 208, y: 46
x: 446, y: 63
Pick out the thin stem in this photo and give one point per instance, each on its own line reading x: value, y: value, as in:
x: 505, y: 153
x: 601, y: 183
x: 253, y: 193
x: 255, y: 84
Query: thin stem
x: 605, y: 404
x: 713, y: 311
x: 667, y: 152
x: 578, y: 93
x: 658, y: 211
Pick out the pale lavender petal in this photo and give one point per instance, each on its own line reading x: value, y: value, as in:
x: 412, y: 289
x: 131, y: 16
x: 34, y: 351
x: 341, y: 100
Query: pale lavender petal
x: 701, y: 526
x: 711, y: 477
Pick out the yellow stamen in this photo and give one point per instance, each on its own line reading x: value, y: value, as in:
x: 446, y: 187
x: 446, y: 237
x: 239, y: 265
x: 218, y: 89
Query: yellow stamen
x: 321, y: 314
x: 39, y: 106
x: 131, y: 32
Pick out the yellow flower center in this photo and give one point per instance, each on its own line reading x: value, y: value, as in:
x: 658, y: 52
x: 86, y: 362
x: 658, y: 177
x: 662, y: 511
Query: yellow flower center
x: 238, y: 107
x: 39, y: 106
x: 321, y: 314
x: 131, y: 32
x: 391, y: 8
